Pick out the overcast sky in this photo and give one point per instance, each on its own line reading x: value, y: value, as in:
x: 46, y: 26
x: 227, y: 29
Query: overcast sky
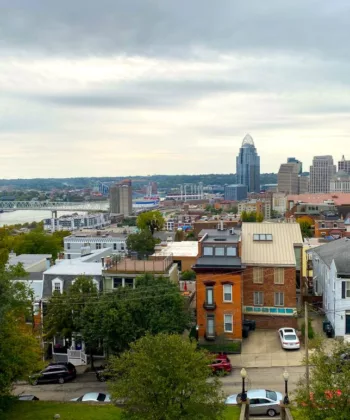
x: 137, y: 87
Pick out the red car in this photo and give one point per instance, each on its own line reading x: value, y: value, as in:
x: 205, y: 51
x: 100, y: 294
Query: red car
x: 221, y: 364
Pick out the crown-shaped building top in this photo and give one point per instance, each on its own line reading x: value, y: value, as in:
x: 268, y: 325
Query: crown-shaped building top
x: 248, y: 141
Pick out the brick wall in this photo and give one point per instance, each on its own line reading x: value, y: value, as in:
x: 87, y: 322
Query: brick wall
x: 268, y: 287
x: 234, y: 307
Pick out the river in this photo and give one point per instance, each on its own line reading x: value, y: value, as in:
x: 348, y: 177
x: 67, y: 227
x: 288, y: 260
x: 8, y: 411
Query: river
x: 28, y: 216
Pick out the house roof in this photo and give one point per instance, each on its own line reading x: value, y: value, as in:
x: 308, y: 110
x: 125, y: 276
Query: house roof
x: 339, y: 251
x: 338, y: 198
x: 220, y: 262
x: 278, y: 251
x: 75, y: 267
x: 178, y: 249
x: 36, y: 286
x: 28, y: 259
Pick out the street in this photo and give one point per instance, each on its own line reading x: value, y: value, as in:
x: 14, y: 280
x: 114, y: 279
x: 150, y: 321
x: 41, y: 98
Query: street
x: 269, y: 378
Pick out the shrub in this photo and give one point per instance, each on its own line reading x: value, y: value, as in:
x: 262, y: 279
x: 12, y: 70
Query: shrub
x: 311, y: 332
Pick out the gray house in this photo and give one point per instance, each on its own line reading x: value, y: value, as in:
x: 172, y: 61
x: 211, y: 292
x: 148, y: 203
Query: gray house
x: 331, y: 279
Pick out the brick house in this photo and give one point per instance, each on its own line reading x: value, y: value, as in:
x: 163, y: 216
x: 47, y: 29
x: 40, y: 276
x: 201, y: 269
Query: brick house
x: 272, y: 254
x: 218, y: 286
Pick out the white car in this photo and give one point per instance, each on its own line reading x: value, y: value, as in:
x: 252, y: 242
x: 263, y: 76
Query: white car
x: 261, y: 401
x: 94, y: 396
x: 289, y: 338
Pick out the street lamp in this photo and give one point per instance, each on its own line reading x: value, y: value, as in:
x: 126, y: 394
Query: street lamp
x: 244, y: 394
x: 285, y: 377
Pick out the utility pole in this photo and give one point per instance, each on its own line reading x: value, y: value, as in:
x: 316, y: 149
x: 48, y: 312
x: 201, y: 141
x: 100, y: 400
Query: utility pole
x: 307, y: 373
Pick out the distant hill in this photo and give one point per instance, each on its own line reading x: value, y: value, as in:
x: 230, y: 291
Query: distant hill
x: 163, y: 181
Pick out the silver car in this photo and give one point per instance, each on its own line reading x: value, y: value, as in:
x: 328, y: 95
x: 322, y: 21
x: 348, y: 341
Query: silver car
x: 261, y: 401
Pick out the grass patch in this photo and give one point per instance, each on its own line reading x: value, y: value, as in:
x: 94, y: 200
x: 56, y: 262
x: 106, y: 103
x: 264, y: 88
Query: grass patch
x: 232, y: 413
x: 45, y: 410
x: 233, y: 347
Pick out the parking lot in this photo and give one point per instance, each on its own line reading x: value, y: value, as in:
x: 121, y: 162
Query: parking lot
x: 263, y: 348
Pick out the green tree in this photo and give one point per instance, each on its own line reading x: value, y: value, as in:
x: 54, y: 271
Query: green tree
x: 19, y: 346
x: 155, y: 305
x: 142, y: 242
x: 328, y: 376
x: 188, y: 275
x: 37, y: 243
x: 150, y: 220
x: 305, y: 228
x: 164, y: 377
x: 259, y: 217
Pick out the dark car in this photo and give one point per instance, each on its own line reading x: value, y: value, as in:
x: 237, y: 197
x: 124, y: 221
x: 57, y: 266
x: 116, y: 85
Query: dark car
x: 55, y: 372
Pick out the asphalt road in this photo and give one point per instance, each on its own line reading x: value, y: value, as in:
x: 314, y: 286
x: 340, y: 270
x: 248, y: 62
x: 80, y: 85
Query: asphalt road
x: 269, y: 378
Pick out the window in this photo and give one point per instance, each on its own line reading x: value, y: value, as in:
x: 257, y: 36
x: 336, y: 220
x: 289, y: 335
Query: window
x: 129, y: 282
x: 279, y: 299
x: 258, y: 298
x: 98, y: 246
x: 122, y: 248
x: 228, y: 324
x: 68, y: 245
x: 220, y: 252
x: 208, y: 250
x: 262, y: 237
x: 335, y: 225
x: 258, y: 275
x: 117, y: 282
x: 322, y: 225
x: 345, y: 293
x: 115, y: 247
x: 209, y: 295
x: 227, y: 292
x: 231, y: 251
x: 57, y: 287
x: 68, y: 256
x: 279, y: 275
x: 210, y: 326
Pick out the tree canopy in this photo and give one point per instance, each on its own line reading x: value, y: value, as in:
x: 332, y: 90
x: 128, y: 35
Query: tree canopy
x: 305, y: 228
x: 150, y: 220
x: 328, y: 396
x: 19, y: 346
x: 142, y: 242
x: 251, y: 216
x: 164, y: 377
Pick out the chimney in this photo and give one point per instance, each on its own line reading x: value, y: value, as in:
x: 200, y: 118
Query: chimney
x: 103, y: 262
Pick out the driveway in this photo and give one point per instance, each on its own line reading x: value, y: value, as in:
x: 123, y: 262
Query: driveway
x: 263, y: 349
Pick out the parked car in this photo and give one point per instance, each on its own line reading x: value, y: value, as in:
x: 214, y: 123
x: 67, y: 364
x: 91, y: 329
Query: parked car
x: 250, y: 324
x: 27, y: 397
x: 261, y: 401
x: 221, y: 364
x: 289, y: 338
x: 93, y: 396
x: 55, y: 372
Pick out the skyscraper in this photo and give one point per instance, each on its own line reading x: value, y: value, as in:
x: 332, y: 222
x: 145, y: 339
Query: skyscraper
x: 120, y: 198
x: 248, y: 165
x: 288, y: 178
x: 344, y: 165
x: 321, y: 173
x: 300, y: 165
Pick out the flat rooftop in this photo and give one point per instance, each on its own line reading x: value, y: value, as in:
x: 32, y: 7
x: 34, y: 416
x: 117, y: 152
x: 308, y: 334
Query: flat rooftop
x: 128, y: 265
x: 178, y: 249
x: 28, y: 259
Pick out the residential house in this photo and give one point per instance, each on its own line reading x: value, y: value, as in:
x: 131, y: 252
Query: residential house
x: 331, y: 227
x: 219, y: 285
x: 272, y: 254
x: 184, y: 253
x: 331, y: 272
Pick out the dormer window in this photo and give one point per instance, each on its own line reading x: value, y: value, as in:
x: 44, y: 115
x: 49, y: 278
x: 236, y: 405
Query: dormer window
x: 262, y: 237
x: 57, y: 285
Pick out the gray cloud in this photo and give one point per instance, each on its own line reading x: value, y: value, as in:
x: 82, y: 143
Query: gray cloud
x: 149, y: 27
x: 150, y: 94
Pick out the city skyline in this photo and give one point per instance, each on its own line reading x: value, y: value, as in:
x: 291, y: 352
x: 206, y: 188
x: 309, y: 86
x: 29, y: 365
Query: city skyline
x: 156, y: 88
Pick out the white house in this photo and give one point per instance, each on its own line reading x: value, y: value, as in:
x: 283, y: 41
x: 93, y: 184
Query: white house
x: 331, y: 278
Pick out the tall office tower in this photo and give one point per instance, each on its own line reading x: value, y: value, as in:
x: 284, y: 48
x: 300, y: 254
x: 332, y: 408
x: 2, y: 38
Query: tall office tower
x: 294, y: 160
x: 321, y: 173
x: 287, y: 178
x: 344, y: 165
x: 120, y: 198
x: 248, y: 165
x: 303, y: 184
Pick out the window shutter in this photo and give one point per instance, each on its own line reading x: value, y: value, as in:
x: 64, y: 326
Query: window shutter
x: 343, y: 290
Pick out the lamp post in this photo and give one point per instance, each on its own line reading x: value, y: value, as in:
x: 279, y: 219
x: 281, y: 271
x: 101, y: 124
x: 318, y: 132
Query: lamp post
x: 285, y: 377
x: 244, y: 394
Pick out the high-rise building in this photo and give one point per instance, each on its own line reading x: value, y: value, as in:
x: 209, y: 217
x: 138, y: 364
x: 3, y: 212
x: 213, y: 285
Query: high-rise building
x: 287, y: 178
x: 120, y: 198
x: 344, y: 165
x: 248, y: 165
x: 294, y: 160
x: 303, y: 184
x: 340, y: 182
x: 321, y: 173
x: 235, y: 192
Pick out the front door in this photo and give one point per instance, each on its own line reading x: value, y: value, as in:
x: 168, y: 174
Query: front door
x: 347, y: 324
